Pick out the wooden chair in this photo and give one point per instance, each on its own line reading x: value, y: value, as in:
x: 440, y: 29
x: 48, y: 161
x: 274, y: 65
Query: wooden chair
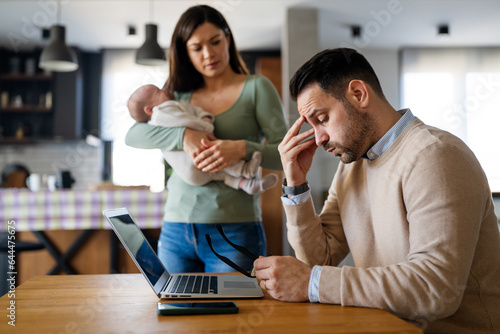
x: 14, y: 176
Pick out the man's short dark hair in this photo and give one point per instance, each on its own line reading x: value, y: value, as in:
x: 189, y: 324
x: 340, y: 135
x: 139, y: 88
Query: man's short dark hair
x: 333, y: 69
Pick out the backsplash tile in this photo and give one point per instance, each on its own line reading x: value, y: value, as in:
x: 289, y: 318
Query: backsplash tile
x: 84, y: 161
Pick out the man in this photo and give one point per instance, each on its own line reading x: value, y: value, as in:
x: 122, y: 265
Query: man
x: 409, y: 201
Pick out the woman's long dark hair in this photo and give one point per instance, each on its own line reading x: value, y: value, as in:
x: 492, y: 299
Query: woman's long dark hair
x: 183, y: 76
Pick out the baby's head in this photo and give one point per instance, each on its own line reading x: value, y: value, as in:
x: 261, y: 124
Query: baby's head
x: 143, y: 100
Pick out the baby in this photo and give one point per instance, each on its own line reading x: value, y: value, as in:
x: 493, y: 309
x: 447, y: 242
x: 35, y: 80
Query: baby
x: 149, y: 104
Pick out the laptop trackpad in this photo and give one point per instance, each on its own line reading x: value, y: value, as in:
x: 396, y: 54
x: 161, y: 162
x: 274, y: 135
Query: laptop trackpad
x: 238, y: 285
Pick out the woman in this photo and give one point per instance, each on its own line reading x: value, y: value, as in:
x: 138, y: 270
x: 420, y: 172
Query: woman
x: 206, y: 70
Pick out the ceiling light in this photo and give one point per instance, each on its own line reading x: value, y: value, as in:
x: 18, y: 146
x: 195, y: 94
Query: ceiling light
x: 150, y: 53
x: 356, y: 31
x: 45, y: 33
x: 56, y: 56
x: 132, y: 34
x: 131, y: 30
x: 443, y: 30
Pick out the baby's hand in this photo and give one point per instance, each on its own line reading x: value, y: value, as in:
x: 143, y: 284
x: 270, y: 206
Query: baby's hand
x: 207, y: 119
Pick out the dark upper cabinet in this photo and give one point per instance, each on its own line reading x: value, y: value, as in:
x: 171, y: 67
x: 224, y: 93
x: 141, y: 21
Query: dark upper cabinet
x: 35, y: 105
x: 68, y: 96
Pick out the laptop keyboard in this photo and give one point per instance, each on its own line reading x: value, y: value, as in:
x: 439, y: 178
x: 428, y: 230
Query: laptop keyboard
x: 194, y: 284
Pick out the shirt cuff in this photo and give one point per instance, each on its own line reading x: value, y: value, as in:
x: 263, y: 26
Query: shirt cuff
x: 300, y: 198
x: 314, y: 284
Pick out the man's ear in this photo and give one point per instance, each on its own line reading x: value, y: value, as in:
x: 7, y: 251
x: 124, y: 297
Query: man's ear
x: 148, y: 110
x: 358, y: 94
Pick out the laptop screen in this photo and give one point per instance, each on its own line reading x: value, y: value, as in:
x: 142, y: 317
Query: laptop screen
x: 138, y: 247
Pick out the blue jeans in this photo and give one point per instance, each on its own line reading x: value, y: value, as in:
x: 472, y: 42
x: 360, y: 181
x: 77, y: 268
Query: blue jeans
x: 182, y: 247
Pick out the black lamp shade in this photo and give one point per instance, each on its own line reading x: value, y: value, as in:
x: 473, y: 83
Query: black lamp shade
x: 56, y: 56
x: 150, y: 53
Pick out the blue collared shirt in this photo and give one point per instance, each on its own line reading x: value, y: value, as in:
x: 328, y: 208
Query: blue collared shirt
x: 390, y: 136
x: 373, y: 153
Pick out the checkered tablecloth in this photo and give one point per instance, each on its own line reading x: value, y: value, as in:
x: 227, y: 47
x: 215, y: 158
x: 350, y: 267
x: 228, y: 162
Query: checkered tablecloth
x: 78, y: 209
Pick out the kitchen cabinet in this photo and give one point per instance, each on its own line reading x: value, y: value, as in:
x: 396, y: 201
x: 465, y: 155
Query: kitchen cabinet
x: 26, y: 92
x: 36, y: 105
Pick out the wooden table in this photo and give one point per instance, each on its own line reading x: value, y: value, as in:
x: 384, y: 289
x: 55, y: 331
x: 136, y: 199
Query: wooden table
x: 126, y: 304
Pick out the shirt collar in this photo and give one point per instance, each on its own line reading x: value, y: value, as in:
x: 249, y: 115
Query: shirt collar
x: 390, y: 136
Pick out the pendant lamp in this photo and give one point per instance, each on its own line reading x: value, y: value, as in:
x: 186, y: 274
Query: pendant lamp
x: 150, y: 53
x: 56, y: 56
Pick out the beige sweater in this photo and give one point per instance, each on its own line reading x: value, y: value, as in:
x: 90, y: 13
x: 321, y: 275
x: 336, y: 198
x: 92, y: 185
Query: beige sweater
x: 420, y: 224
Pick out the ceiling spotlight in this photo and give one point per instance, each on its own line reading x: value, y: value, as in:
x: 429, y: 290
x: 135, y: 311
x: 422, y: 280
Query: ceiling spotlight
x: 132, y: 33
x: 356, y: 31
x: 45, y: 33
x: 132, y: 30
x: 443, y: 30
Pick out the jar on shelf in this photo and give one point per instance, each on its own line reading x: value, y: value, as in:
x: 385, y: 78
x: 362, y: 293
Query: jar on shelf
x: 48, y: 100
x: 4, y: 99
x: 17, y: 101
x: 15, y: 64
x: 29, y: 66
x: 20, y: 131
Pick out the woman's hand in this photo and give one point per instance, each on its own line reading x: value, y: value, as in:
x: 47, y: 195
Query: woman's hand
x: 192, y: 141
x: 219, y: 154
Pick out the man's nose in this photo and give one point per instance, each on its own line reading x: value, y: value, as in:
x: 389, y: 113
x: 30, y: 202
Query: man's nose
x: 321, y: 137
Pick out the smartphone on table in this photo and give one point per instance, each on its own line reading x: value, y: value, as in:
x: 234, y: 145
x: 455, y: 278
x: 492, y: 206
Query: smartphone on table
x: 197, y: 308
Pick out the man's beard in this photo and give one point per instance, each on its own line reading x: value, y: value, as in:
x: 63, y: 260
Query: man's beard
x: 358, y: 130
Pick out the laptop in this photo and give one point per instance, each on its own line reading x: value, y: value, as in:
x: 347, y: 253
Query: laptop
x: 175, y: 286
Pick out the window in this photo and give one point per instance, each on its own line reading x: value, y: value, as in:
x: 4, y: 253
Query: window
x: 458, y: 90
x: 121, y: 77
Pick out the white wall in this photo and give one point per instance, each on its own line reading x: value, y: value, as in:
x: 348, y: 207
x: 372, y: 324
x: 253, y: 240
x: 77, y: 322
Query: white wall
x: 386, y: 66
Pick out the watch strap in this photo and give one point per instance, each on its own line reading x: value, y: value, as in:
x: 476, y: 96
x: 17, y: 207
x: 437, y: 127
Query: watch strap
x: 294, y: 191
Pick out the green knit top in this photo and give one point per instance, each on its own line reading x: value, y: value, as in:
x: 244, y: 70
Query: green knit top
x: 256, y: 116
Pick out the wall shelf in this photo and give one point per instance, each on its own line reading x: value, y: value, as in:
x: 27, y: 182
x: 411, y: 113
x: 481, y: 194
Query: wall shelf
x: 26, y: 109
x: 26, y: 77
x: 48, y: 105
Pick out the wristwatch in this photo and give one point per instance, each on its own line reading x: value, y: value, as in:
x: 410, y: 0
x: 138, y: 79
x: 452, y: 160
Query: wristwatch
x: 297, y: 190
